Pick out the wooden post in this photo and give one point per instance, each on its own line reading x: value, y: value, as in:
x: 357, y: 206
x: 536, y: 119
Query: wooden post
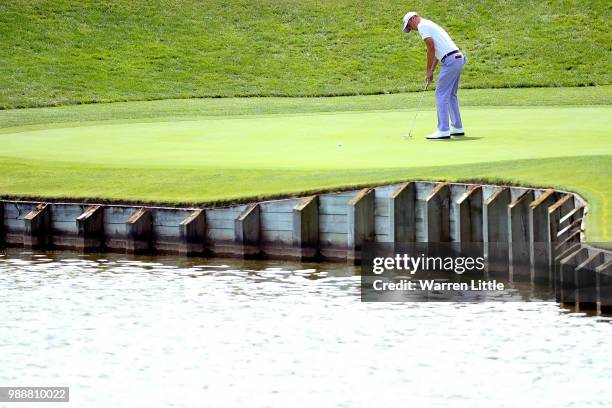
x: 555, y: 212
x: 556, y: 271
x: 436, y: 215
x: 247, y: 231
x: 402, y: 227
x: 306, y: 227
x: 469, y: 218
x: 518, y: 236
x: 192, y: 232
x: 567, y: 287
x: 603, y: 274
x: 37, y: 232
x: 539, y: 243
x: 586, y: 282
x: 139, y: 228
x: 1, y: 224
x: 360, y: 223
x: 90, y: 229
x: 495, y: 231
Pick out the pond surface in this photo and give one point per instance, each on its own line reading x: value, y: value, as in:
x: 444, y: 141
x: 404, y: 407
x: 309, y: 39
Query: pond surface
x: 128, y: 332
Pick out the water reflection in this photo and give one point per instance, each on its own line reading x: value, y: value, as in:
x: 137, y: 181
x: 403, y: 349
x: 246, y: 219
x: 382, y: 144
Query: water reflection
x: 166, y: 331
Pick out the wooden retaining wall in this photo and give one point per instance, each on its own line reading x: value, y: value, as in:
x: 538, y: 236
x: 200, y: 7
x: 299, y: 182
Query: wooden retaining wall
x: 539, y: 231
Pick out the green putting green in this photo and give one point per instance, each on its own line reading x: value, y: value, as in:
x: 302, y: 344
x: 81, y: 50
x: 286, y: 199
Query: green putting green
x: 223, y: 158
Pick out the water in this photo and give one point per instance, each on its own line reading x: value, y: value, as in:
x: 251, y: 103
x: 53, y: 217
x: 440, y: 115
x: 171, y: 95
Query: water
x: 128, y: 332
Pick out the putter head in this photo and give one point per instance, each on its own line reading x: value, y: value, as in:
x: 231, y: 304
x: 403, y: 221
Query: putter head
x: 408, y: 136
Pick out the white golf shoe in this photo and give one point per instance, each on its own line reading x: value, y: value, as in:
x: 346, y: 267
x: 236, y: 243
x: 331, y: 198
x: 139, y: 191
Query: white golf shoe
x: 439, y: 135
x: 456, y: 131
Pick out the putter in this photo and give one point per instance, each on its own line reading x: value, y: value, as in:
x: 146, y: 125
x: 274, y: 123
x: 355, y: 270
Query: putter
x: 409, y: 135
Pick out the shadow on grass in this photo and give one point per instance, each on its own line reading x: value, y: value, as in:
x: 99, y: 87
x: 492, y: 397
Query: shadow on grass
x: 465, y: 138
x: 455, y: 139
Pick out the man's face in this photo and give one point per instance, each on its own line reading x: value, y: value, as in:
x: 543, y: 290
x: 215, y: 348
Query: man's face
x: 413, y: 23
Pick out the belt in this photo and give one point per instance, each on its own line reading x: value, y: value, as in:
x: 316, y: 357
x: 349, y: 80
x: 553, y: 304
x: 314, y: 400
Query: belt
x: 448, y: 55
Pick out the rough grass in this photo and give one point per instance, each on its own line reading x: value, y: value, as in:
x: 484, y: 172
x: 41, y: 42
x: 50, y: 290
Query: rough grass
x: 190, y: 109
x: 65, y: 52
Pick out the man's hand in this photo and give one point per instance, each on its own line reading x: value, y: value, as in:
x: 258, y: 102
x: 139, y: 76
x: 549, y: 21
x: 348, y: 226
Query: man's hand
x: 429, y: 76
x: 431, y: 60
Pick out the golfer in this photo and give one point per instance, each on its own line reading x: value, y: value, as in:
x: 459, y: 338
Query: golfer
x: 441, y: 48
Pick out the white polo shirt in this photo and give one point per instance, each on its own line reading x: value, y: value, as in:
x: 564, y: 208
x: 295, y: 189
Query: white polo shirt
x: 442, y: 41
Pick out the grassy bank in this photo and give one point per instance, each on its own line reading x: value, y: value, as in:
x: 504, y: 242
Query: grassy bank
x: 65, y: 52
x: 219, y: 157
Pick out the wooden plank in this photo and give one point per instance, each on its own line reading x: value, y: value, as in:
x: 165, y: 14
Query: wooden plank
x: 401, y: 222
x: 166, y: 232
x: 220, y: 224
x: 247, y: 231
x: 277, y: 239
x: 66, y: 212
x: 517, y: 192
x: 586, y: 281
x: 139, y: 232
x: 224, y: 214
x: 571, y: 237
x: 555, y: 212
x: 381, y: 206
x: 567, y: 285
x: 272, y: 221
x: 62, y: 228
x: 488, y: 190
x: 386, y: 191
x: 114, y: 230
x: 331, y: 239
x: 219, y: 235
x: 518, y: 237
x: 118, y: 215
x: 278, y: 206
x: 13, y: 226
x: 169, y: 217
x: 381, y: 227
x: 575, y: 214
x: 333, y: 205
x: 539, y: 236
x: 305, y: 230
x: 567, y: 231
x: 436, y: 216
x: 495, y: 231
x: 604, y: 287
x: 423, y: 189
x: 90, y: 229
x: 567, y: 252
x: 495, y: 216
x: 469, y: 216
x: 63, y: 220
x: 457, y: 191
x: 420, y: 220
x: 193, y: 234
x: 2, y: 228
x: 360, y: 222
x: 37, y: 227
x: 333, y: 223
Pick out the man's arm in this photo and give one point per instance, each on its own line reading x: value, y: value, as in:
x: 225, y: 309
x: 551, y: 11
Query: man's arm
x: 431, y: 60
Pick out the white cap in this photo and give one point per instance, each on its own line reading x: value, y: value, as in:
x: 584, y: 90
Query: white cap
x: 407, y: 17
